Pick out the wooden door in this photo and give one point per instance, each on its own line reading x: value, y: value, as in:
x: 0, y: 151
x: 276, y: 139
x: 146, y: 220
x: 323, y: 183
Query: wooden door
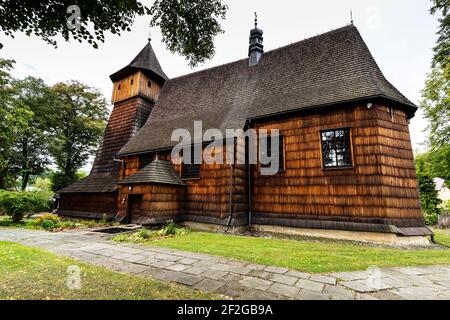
x: 134, y: 207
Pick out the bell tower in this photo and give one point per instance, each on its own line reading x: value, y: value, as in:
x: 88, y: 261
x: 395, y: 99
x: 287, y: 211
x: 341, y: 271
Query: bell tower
x: 136, y: 90
x: 142, y: 77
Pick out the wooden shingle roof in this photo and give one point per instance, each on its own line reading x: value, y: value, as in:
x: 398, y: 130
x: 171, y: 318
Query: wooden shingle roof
x: 147, y: 62
x: 158, y: 171
x: 94, y: 183
x: 322, y: 71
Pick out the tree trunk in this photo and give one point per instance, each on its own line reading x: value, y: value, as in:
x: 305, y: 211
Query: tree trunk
x: 25, y: 178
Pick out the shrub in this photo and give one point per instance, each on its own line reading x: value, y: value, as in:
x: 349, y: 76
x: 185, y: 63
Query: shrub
x: 18, y: 204
x: 47, y: 221
x: 171, y: 229
x: 431, y: 219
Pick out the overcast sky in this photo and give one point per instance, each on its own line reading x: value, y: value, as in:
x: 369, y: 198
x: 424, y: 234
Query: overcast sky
x: 399, y: 33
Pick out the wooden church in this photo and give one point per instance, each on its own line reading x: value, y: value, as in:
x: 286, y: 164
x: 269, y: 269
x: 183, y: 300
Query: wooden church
x: 346, y: 161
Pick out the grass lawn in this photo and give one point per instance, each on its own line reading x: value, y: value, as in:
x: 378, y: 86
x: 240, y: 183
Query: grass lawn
x: 442, y: 237
x: 28, y: 273
x: 306, y: 255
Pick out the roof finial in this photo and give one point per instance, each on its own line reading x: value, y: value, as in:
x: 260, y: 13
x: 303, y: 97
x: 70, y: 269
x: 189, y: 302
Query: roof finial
x: 351, y: 16
x: 256, y: 19
x: 149, y: 35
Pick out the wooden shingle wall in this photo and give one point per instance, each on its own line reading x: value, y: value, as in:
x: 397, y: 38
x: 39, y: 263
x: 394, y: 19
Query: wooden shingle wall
x: 381, y: 185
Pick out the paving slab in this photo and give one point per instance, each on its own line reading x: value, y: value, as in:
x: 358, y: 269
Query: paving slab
x: 323, y: 279
x: 310, y: 285
x: 209, y: 285
x: 281, y: 278
x: 284, y: 290
x: 255, y: 283
x: 276, y: 269
x: 364, y: 286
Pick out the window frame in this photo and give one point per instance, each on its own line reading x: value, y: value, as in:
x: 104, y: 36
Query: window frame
x: 352, y: 158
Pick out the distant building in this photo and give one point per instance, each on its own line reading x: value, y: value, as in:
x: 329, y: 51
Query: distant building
x: 444, y: 191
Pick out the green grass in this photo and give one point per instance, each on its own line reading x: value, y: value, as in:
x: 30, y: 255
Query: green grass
x: 28, y: 273
x: 442, y: 237
x: 305, y: 255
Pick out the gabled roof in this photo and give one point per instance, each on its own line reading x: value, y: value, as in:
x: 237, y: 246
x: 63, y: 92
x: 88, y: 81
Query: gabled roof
x: 146, y: 61
x: 322, y: 71
x: 158, y: 171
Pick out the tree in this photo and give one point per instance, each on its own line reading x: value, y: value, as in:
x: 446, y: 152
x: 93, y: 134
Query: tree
x: 429, y: 197
x: 31, y: 150
x: 188, y: 26
x: 438, y: 163
x: 79, y: 119
x: 13, y: 120
x: 442, y: 48
x: 436, y: 97
x: 436, y: 106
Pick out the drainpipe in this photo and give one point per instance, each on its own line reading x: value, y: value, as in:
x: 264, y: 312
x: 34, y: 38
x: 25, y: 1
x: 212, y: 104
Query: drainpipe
x: 249, y: 177
x: 124, y: 164
x: 230, y: 202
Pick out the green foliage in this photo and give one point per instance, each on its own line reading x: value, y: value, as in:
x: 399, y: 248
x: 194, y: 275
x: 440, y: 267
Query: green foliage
x: 170, y: 229
x: 431, y: 219
x: 43, y: 184
x: 446, y: 207
x: 435, y: 102
x: 18, y: 204
x: 78, y: 123
x: 14, y: 118
x: 30, y: 153
x: 47, y: 221
x: 188, y: 27
x: 436, y: 106
x: 442, y: 48
x: 429, y: 196
x: 60, y: 180
x: 437, y: 163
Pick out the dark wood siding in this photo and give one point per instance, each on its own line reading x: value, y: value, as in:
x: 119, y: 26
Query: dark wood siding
x: 381, y: 185
x: 88, y: 205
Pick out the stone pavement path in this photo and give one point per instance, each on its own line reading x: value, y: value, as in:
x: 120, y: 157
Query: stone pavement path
x: 235, y: 278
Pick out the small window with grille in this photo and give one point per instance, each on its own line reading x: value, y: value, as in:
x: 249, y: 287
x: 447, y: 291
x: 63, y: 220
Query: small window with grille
x: 336, y: 148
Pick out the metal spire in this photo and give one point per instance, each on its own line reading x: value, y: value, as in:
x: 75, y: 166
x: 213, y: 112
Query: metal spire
x: 351, y: 16
x: 256, y: 20
x: 149, y: 35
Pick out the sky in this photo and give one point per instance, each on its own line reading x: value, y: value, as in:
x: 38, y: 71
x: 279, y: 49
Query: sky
x: 399, y: 33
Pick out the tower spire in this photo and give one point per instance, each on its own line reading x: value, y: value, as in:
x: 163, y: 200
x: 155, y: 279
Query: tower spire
x: 256, y: 48
x: 351, y: 16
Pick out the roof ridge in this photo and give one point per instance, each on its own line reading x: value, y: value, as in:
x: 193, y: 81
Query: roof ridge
x: 266, y: 52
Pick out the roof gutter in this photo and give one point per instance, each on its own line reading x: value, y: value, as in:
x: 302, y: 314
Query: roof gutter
x: 288, y: 112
